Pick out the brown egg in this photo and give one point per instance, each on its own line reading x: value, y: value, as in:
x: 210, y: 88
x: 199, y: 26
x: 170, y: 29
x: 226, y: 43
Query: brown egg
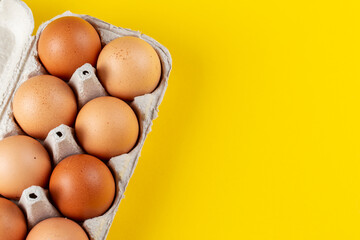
x: 57, y: 229
x: 107, y: 127
x: 12, y: 221
x: 43, y: 103
x: 82, y: 187
x: 128, y: 67
x: 66, y: 44
x: 23, y: 162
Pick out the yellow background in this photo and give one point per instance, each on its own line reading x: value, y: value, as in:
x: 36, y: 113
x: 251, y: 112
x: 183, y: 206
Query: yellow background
x: 258, y: 136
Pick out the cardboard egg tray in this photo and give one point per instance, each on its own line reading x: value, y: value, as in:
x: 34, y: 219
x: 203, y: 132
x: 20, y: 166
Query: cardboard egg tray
x: 19, y: 61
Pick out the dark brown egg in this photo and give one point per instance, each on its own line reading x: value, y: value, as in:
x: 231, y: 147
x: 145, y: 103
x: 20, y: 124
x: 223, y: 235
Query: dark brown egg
x: 66, y: 44
x: 82, y: 187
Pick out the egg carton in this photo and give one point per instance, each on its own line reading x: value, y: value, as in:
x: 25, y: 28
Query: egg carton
x: 19, y: 61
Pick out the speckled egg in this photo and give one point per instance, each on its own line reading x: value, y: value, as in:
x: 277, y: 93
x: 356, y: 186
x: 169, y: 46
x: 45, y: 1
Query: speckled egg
x: 128, y: 67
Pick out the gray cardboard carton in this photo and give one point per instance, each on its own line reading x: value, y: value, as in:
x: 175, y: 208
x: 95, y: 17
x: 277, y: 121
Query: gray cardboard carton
x: 19, y: 61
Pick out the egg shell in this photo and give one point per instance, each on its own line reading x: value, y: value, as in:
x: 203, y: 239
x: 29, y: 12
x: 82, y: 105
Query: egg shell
x: 128, y: 67
x: 42, y: 103
x: 21, y: 60
x: 66, y: 44
x: 57, y: 229
x: 99, y: 132
x: 23, y: 162
x: 82, y: 187
x: 12, y: 221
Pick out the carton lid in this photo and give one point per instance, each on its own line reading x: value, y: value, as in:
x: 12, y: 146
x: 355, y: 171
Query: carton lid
x: 16, y: 27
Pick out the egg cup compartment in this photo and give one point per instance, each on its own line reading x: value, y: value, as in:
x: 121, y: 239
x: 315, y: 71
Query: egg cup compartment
x: 19, y: 61
x: 86, y: 85
x: 35, y: 203
x: 61, y: 143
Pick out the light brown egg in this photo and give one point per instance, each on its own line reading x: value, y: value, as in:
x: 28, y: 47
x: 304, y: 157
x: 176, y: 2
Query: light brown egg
x: 128, y: 67
x: 107, y: 127
x: 82, y: 187
x: 12, y: 221
x: 23, y: 162
x: 66, y: 44
x: 43, y: 103
x: 57, y: 229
